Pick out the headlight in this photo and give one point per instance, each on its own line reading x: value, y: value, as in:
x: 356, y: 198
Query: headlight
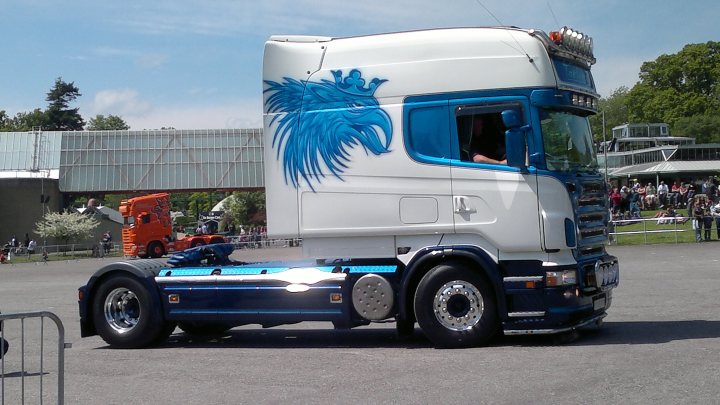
x: 559, y: 278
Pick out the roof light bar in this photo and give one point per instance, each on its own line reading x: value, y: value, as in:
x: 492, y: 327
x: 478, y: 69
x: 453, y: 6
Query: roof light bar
x: 573, y: 41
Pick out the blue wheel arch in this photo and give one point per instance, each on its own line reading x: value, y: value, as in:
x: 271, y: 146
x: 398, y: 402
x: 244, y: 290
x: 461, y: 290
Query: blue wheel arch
x: 427, y: 258
x: 143, y: 270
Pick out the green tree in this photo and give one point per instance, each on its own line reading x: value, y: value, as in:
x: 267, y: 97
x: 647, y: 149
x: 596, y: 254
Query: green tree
x: 199, y: 202
x: 615, y: 110
x: 5, y: 121
x: 113, y: 200
x: 246, y: 208
x: 66, y: 226
x: 672, y: 87
x: 103, y: 123
x: 704, y: 128
x: 60, y: 116
x: 24, y: 121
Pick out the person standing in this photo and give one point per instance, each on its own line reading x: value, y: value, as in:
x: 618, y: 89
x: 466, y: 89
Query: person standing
x: 715, y: 212
x: 32, y: 245
x: 662, y: 192
x: 707, y: 221
x: 697, y: 221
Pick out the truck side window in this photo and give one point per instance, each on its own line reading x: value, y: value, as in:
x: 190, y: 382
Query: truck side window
x: 481, y: 136
x: 427, y: 135
x: 145, y: 219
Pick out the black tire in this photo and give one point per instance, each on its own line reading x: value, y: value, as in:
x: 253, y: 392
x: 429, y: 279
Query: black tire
x: 156, y: 249
x: 455, y: 307
x: 124, y: 315
x: 197, y: 243
x: 167, y: 329
x: 204, y: 329
x: 217, y: 239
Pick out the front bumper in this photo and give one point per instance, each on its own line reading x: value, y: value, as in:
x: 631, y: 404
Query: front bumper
x: 535, y: 308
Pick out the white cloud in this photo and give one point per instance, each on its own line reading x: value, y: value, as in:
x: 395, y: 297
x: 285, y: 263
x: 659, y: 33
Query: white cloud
x: 142, y: 59
x: 244, y: 114
x: 150, y: 61
x: 122, y: 102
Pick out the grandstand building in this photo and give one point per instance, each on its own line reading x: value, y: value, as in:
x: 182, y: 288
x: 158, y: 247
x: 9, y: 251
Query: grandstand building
x: 648, y: 153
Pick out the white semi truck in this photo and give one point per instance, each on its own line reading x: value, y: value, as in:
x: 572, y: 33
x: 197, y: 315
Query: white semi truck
x: 408, y: 208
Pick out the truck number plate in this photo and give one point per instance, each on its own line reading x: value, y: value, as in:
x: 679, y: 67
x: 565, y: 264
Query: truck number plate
x: 599, y: 303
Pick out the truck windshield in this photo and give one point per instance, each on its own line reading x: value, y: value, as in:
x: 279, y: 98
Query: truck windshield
x: 568, y: 141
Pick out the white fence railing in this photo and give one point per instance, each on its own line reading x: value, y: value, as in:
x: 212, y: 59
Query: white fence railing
x: 678, y: 224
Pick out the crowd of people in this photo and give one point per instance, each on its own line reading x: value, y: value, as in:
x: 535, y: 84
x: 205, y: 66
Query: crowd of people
x: 15, y: 247
x: 700, y: 199
x: 255, y: 236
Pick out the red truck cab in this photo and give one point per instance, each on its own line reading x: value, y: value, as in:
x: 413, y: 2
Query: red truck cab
x: 147, y: 228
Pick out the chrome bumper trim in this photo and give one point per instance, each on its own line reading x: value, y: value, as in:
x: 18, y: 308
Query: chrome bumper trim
x: 526, y: 314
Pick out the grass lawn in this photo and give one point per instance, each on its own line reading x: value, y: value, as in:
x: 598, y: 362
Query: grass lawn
x: 650, y: 232
x: 52, y: 257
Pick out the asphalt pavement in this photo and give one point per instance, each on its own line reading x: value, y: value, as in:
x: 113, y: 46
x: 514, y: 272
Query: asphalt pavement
x: 660, y: 344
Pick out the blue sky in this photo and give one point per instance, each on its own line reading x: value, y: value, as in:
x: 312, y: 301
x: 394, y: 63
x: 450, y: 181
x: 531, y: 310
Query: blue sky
x: 198, y: 64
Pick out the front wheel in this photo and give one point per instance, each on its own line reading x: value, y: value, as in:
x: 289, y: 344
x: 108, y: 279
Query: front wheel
x: 455, y: 307
x: 124, y: 315
x: 156, y: 250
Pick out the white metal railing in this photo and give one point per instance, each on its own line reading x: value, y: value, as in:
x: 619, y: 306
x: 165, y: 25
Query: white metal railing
x: 69, y: 251
x: 680, y: 224
x: 14, y: 353
x: 246, y: 242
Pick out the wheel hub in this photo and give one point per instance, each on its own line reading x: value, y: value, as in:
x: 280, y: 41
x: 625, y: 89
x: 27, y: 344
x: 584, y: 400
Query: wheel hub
x: 458, y: 305
x: 122, y: 310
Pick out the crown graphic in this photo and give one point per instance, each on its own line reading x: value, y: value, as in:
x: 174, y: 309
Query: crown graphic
x: 354, y: 83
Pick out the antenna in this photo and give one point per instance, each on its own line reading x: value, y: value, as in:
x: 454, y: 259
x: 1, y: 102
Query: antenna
x: 509, y: 33
x: 557, y: 24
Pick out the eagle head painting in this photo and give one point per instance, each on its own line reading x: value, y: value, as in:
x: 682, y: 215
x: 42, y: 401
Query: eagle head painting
x: 324, y: 120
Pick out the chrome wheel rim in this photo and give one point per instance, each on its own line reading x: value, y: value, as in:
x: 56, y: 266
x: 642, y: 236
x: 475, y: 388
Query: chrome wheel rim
x: 458, y: 305
x: 122, y: 310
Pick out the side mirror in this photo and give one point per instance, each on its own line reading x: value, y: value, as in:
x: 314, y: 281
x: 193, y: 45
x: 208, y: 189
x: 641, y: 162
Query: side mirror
x: 515, y: 146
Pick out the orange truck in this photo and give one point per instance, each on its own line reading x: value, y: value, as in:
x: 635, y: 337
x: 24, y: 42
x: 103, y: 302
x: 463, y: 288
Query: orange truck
x: 148, y: 228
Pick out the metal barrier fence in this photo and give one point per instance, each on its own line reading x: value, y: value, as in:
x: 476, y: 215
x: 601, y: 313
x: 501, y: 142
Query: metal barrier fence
x: 244, y: 243
x: 69, y: 251
x: 18, y: 358
x: 679, y: 225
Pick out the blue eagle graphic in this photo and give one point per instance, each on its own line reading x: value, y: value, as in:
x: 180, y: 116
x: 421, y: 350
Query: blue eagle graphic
x: 324, y: 121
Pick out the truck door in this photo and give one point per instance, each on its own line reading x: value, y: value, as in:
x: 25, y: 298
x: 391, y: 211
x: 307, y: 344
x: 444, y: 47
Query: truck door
x: 493, y: 204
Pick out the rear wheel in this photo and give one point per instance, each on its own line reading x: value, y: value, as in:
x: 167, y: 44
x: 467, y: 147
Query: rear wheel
x: 455, y: 307
x: 156, y: 249
x: 124, y: 315
x: 197, y: 243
